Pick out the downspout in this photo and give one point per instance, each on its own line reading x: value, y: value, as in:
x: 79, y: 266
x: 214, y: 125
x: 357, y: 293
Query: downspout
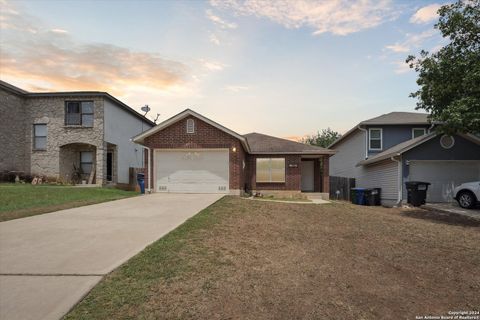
x: 149, y: 187
x: 366, y: 140
x: 431, y: 127
x: 400, y: 178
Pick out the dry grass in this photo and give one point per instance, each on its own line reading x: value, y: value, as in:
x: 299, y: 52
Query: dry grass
x: 243, y: 259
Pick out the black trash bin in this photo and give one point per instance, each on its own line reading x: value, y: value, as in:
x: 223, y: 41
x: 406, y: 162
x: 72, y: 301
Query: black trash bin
x: 417, y: 192
x: 141, y: 182
x: 372, y: 196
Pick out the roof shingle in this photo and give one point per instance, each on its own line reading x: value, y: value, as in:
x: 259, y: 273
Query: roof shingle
x: 398, y: 118
x: 264, y: 144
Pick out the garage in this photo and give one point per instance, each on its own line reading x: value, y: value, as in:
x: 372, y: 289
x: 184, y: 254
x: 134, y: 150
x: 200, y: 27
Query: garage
x: 192, y: 171
x: 444, y: 176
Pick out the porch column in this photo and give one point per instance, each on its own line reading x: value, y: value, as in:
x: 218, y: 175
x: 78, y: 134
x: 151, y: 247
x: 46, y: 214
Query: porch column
x: 325, y: 175
x: 101, y: 164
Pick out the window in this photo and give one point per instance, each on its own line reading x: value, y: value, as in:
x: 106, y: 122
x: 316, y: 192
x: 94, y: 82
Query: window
x: 270, y: 170
x: 418, y: 132
x: 86, y: 161
x: 40, y: 136
x: 375, y: 142
x: 79, y: 113
x: 190, y: 126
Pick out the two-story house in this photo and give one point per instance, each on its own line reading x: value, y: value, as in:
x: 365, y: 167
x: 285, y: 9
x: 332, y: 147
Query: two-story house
x: 83, y: 135
x: 386, y: 151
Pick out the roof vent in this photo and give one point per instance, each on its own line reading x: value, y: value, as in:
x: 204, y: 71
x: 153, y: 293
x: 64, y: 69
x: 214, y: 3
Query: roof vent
x: 190, y: 126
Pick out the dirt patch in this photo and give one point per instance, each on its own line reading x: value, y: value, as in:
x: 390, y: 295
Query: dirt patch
x: 442, y: 217
x: 264, y: 260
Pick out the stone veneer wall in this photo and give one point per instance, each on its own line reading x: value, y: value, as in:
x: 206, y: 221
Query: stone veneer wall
x: 51, y: 111
x: 13, y: 156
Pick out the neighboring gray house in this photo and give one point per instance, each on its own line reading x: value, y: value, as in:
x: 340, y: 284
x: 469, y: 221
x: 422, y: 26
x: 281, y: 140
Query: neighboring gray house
x: 393, y: 148
x: 50, y: 134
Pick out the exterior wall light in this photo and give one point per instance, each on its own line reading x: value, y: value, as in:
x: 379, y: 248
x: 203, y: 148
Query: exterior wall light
x: 234, y: 149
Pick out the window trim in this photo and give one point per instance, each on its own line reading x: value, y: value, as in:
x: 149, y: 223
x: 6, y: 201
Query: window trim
x: 424, y: 132
x: 370, y: 139
x: 35, y: 136
x: 270, y: 170
x: 81, y: 162
x: 192, y: 127
x: 81, y: 114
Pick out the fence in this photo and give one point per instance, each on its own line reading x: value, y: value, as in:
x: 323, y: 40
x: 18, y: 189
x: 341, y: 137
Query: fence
x: 132, y: 177
x: 343, y: 186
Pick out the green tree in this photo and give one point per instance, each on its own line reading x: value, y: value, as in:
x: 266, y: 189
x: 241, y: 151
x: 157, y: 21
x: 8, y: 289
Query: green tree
x: 322, y: 139
x: 449, y: 79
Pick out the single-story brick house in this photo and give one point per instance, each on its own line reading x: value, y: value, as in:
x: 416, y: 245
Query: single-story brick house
x: 193, y: 154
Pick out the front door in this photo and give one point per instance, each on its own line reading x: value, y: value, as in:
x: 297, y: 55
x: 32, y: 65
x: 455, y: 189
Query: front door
x: 109, y: 166
x: 308, y: 181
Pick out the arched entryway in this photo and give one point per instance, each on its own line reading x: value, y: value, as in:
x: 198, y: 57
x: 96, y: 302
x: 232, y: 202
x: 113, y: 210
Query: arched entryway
x: 78, y: 163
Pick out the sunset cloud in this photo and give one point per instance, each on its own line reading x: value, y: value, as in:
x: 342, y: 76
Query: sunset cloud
x: 219, y: 21
x: 212, y: 65
x: 426, y: 14
x: 401, y: 67
x: 340, y: 17
x: 52, y: 59
x: 236, y: 88
x: 214, y: 39
x: 412, y: 41
x: 59, y: 31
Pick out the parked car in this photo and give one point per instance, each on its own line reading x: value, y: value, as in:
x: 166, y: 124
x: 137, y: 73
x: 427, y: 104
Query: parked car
x: 467, y: 194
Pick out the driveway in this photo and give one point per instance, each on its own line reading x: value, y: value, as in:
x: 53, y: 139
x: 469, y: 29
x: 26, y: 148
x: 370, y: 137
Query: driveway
x: 49, y: 262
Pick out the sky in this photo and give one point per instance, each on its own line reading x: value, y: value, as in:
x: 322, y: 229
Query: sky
x: 286, y: 68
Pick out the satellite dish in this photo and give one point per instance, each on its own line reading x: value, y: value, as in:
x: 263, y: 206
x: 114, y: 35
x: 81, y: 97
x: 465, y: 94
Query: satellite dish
x: 145, y: 108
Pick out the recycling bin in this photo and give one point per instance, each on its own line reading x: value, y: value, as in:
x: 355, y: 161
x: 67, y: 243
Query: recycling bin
x: 141, y: 182
x: 357, y: 196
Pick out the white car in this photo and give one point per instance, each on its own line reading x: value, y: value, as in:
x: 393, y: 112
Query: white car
x: 467, y: 194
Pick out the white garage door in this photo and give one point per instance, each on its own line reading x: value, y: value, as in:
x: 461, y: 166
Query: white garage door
x: 444, y: 176
x: 192, y: 171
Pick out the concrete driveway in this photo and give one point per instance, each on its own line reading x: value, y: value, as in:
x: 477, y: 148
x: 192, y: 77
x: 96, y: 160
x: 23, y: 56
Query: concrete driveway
x: 49, y: 262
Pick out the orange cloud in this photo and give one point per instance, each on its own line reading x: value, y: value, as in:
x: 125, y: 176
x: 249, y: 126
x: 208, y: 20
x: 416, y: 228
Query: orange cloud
x: 339, y: 17
x: 52, y: 59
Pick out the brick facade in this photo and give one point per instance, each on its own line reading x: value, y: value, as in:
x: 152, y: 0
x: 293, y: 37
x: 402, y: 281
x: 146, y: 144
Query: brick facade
x: 205, y: 136
x: 242, y: 165
x: 13, y: 155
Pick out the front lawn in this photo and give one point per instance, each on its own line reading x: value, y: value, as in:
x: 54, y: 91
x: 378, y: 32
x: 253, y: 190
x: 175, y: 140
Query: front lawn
x: 23, y: 200
x: 241, y: 259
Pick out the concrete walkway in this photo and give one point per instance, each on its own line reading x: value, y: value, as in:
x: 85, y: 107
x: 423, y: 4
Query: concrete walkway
x: 49, y: 262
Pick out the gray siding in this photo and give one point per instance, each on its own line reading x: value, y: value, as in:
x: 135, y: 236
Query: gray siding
x: 382, y: 175
x: 432, y: 150
x: 120, y: 127
x: 395, y: 134
x: 349, y: 152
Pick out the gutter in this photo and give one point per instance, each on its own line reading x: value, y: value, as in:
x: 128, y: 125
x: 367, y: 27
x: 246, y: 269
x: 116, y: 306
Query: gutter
x: 400, y: 184
x: 366, y: 139
x: 149, y: 152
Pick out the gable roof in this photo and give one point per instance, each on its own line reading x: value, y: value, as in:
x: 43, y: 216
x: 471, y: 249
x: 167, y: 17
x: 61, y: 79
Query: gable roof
x: 12, y: 88
x: 185, y: 113
x: 392, y: 118
x: 254, y: 143
x: 407, y: 145
x: 106, y: 95
x: 398, y: 118
x: 264, y: 144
